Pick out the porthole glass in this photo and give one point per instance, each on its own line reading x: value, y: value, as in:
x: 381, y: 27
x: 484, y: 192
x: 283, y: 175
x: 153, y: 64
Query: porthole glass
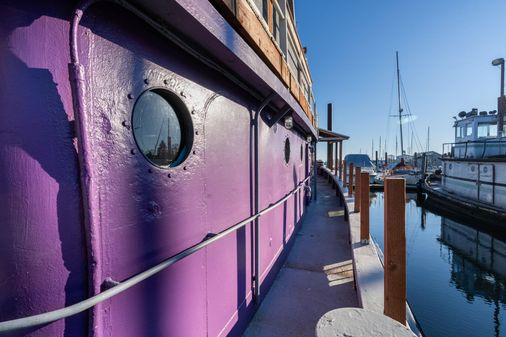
x: 287, y: 150
x: 162, y: 128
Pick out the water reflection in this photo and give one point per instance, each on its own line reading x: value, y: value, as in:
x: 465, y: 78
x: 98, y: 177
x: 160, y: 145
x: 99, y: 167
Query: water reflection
x: 478, y: 264
x: 157, y: 128
x: 456, y: 272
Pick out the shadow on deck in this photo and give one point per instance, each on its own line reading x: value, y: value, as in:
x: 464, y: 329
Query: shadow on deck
x: 316, y: 277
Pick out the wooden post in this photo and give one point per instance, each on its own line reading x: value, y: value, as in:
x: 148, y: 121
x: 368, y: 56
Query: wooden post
x: 386, y: 158
x: 357, y: 189
x: 340, y: 160
x: 330, y: 161
x: 364, y: 207
x: 344, y: 173
x: 350, y: 181
x: 336, y: 166
x: 395, y: 249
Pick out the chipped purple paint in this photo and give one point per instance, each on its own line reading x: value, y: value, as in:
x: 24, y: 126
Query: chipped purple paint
x: 136, y: 215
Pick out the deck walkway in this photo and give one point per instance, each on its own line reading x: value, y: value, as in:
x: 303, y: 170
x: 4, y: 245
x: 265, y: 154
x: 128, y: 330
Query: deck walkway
x: 316, y: 277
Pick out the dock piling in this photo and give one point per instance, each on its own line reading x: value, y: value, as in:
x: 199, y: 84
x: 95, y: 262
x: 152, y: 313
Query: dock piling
x: 364, y: 207
x: 395, y: 249
x: 357, y: 189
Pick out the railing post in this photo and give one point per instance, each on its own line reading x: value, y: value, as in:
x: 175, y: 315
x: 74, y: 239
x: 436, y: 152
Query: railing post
x: 336, y: 160
x: 350, y: 181
x: 395, y: 249
x: 340, y: 159
x: 344, y: 173
x: 357, y: 188
x: 364, y: 207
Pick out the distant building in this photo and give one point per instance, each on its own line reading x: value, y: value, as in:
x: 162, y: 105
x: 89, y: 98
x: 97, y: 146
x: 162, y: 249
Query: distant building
x: 432, y: 157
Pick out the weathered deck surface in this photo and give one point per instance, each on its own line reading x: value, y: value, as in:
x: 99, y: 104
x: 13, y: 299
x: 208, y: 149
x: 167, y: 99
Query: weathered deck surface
x: 317, y: 276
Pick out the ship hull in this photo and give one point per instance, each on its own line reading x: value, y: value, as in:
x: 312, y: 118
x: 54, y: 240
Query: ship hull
x: 481, y: 181
x: 467, y: 194
x: 80, y: 218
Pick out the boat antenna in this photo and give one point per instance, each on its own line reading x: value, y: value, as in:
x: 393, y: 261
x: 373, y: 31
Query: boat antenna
x: 399, y: 100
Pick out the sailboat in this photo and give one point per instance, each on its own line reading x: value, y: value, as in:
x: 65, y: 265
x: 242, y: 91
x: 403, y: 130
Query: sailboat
x: 401, y: 169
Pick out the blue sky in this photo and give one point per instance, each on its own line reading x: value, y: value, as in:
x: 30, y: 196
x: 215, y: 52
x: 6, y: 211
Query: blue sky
x: 445, y: 49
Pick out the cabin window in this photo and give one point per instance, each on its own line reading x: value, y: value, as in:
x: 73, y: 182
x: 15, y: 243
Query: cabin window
x: 461, y: 131
x: 304, y: 86
x: 276, y: 25
x: 292, y: 58
x: 469, y: 130
x: 287, y: 150
x: 487, y: 130
x: 162, y: 128
x: 289, y: 5
x: 262, y: 8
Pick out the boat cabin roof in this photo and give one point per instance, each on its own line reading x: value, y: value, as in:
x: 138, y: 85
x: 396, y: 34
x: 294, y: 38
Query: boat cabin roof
x: 476, y: 126
x: 358, y: 159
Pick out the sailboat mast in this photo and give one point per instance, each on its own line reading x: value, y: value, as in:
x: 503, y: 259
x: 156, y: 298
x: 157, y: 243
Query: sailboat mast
x: 428, y: 138
x: 399, y: 100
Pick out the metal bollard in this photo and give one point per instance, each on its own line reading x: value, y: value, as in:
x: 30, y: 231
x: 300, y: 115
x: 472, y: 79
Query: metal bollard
x: 350, y: 181
x: 357, y: 188
x: 395, y: 249
x: 364, y: 207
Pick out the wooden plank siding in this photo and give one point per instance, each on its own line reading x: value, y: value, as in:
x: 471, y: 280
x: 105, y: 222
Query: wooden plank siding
x: 255, y: 32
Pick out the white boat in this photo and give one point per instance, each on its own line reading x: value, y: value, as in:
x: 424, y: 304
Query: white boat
x: 401, y: 169
x: 405, y: 171
x: 474, y: 166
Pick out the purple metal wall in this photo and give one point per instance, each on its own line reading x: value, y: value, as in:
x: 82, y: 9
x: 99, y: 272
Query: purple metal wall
x: 139, y: 215
x: 42, y: 251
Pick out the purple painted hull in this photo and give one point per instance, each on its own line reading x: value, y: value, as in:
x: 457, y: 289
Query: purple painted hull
x: 57, y: 247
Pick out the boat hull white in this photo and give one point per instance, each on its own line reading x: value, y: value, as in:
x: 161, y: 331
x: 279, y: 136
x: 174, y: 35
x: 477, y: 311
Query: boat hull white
x: 482, y: 181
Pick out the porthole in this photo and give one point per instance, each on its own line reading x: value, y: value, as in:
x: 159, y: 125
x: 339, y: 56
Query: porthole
x: 472, y: 168
x: 162, y: 128
x: 287, y: 150
x: 485, y: 169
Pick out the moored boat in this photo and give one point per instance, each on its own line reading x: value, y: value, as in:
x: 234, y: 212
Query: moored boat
x: 474, y: 166
x: 364, y: 162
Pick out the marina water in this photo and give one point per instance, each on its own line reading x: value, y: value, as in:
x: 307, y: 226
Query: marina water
x: 456, y: 273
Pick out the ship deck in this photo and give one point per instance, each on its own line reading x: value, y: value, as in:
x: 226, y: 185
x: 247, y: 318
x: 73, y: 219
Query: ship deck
x: 317, y: 276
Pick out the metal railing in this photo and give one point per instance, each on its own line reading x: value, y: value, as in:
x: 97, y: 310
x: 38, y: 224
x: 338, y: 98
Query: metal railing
x: 449, y: 149
x: 52, y: 316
